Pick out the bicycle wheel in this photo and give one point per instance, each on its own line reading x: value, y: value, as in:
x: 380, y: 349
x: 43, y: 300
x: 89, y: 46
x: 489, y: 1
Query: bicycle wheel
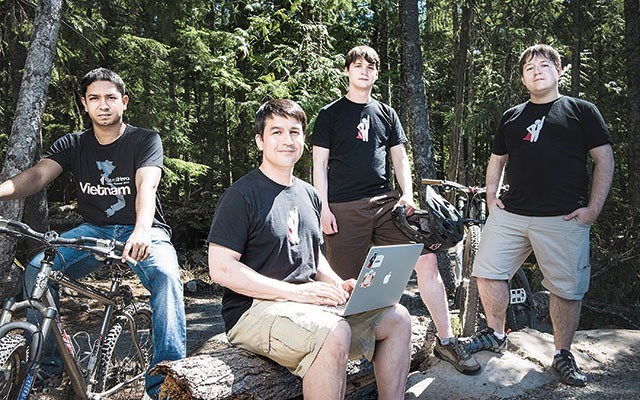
x: 521, y: 315
x: 120, y: 361
x: 13, y: 365
x: 470, y: 307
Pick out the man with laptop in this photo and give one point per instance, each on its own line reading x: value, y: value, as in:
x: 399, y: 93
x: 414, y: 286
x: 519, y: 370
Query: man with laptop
x: 264, y: 248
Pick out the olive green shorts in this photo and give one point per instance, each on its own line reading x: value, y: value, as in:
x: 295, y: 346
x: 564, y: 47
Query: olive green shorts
x: 292, y: 334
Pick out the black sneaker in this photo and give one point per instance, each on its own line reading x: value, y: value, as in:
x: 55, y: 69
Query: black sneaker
x: 485, y: 340
x: 569, y: 372
x: 456, y: 353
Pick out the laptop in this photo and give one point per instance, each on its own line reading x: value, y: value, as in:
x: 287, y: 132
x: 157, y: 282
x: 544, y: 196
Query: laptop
x: 382, y: 280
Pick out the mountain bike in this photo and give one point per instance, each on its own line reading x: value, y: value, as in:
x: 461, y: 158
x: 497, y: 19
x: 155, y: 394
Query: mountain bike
x: 97, y: 366
x: 523, y: 306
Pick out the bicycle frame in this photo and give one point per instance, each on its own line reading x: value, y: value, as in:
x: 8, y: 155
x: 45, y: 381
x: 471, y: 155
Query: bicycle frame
x: 41, y: 301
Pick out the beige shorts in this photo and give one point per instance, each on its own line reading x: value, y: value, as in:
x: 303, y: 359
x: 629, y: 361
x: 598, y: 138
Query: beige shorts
x: 561, y: 249
x: 292, y: 334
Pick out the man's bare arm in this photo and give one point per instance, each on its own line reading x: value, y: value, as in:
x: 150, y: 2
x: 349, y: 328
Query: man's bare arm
x: 31, y: 180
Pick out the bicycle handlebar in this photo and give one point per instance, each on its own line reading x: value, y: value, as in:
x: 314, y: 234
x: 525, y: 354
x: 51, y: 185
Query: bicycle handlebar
x: 454, y: 185
x: 100, y: 247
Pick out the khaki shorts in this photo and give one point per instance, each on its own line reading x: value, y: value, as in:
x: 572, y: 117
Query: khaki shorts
x: 561, y: 249
x: 361, y: 223
x: 292, y: 334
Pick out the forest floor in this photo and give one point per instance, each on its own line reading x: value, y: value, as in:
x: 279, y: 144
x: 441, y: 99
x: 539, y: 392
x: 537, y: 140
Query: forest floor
x: 610, y: 357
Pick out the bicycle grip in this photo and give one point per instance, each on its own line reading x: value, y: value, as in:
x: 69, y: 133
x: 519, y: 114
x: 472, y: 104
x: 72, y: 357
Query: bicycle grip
x: 432, y: 181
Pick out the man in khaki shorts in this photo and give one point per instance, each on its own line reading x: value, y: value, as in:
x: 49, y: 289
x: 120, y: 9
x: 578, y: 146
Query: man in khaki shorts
x: 264, y: 247
x: 548, y: 208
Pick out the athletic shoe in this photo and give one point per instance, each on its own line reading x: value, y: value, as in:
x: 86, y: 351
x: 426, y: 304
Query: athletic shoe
x: 485, y: 340
x: 456, y: 353
x: 569, y: 372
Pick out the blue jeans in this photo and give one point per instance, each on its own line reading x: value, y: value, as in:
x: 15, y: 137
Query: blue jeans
x: 160, y: 275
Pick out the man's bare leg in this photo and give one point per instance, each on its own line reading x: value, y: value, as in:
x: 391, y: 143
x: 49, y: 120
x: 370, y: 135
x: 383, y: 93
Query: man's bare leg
x: 495, y: 300
x: 327, y: 376
x: 393, y: 353
x: 565, y: 316
x: 433, y: 293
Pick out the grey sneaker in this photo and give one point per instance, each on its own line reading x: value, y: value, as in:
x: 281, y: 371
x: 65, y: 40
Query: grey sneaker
x: 457, y: 354
x: 569, y: 372
x: 485, y: 340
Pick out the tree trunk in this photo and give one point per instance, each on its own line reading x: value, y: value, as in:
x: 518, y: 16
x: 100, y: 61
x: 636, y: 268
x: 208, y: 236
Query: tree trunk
x: 417, y: 125
x: 380, y: 40
x: 455, y: 170
x: 25, y: 141
x: 632, y: 34
x: 217, y: 371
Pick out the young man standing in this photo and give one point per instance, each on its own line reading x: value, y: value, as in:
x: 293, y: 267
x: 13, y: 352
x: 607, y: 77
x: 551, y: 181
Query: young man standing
x: 264, y: 247
x: 353, y: 139
x: 116, y: 169
x: 549, y: 207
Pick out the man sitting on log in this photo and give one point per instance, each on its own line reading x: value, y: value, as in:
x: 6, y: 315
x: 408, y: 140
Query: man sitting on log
x: 264, y: 248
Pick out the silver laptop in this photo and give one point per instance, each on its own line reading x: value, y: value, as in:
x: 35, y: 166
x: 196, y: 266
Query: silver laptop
x: 382, y: 279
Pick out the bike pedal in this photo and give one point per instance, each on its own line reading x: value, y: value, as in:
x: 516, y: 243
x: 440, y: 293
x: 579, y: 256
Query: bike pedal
x: 517, y: 296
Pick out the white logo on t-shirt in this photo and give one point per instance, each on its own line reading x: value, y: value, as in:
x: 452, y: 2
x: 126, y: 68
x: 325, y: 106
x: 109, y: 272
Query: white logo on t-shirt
x: 533, y: 130
x: 292, y: 222
x: 363, y: 129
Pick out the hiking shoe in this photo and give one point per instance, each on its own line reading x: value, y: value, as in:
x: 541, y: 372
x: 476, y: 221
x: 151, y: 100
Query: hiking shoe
x: 569, y: 372
x: 456, y: 353
x: 485, y: 340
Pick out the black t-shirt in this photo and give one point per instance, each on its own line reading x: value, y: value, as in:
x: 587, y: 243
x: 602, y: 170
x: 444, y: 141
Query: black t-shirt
x: 548, y: 146
x: 276, y: 229
x: 104, y: 175
x: 359, y: 137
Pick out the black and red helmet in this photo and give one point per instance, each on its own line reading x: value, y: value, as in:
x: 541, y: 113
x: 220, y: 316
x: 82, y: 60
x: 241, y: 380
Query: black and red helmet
x: 439, y: 227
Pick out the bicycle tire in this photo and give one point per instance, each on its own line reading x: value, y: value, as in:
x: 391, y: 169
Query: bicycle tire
x: 470, y: 306
x: 119, y: 361
x: 523, y: 315
x: 14, y: 351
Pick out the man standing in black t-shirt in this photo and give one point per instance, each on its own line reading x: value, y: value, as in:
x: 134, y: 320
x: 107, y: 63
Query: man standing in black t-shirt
x: 264, y: 248
x: 548, y: 208
x: 353, y: 140
x: 116, y: 169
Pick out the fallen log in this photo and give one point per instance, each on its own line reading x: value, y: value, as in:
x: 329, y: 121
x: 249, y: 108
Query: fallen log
x: 221, y: 371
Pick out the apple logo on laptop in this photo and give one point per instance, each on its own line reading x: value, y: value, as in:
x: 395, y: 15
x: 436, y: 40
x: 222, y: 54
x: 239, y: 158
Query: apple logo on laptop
x: 386, y: 278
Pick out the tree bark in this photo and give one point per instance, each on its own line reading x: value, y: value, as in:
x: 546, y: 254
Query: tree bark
x: 417, y: 125
x: 218, y: 371
x: 380, y: 40
x: 632, y: 36
x: 455, y: 170
x: 25, y: 141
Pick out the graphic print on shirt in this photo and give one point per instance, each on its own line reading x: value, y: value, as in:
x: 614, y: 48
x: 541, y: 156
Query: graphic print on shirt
x: 293, y: 222
x: 109, y: 186
x: 363, y: 129
x: 533, y: 130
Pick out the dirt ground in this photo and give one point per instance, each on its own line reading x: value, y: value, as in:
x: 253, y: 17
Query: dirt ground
x: 612, y: 377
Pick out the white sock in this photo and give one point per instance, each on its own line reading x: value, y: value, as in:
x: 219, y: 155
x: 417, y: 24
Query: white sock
x: 500, y: 336
x: 444, y: 341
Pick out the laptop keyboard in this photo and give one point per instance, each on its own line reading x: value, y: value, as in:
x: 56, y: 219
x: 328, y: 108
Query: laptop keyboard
x: 337, y: 309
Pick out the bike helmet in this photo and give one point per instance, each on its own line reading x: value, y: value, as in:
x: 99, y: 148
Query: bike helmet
x: 439, y: 227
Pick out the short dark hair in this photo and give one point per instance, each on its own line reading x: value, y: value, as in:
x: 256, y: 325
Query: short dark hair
x: 541, y: 50
x: 365, y: 52
x: 280, y: 107
x: 102, y: 74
